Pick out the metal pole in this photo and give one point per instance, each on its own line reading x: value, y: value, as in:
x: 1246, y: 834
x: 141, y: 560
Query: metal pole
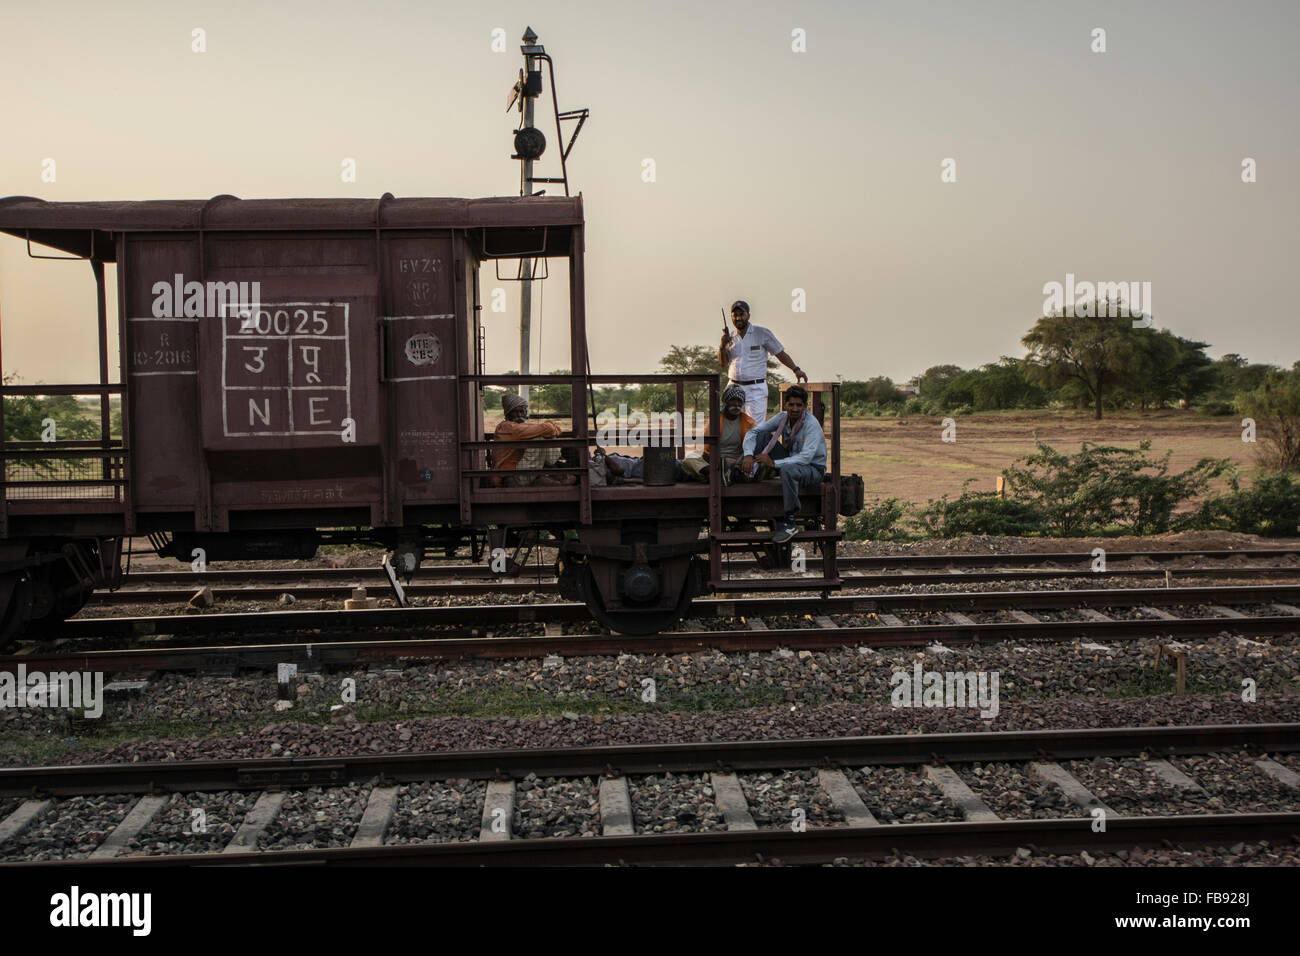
x: 526, y: 265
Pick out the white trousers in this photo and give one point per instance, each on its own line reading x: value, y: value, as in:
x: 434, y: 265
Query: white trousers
x: 756, y: 402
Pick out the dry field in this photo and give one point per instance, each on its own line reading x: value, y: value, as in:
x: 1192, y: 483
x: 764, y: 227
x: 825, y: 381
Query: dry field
x: 905, y: 458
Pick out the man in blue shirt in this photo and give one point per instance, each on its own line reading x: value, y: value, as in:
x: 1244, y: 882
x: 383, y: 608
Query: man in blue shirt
x: 792, y: 443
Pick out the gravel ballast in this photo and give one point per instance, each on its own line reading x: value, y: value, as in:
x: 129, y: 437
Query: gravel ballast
x: 556, y: 807
x: 178, y: 828
x: 438, y: 812
x: 674, y: 803
x: 708, y: 679
x: 901, y: 795
x: 774, y: 796
x: 72, y: 829
x: 317, y: 817
x: 1014, y: 792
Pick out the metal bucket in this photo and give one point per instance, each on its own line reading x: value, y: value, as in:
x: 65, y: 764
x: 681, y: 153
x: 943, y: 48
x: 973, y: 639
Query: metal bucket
x: 660, y: 465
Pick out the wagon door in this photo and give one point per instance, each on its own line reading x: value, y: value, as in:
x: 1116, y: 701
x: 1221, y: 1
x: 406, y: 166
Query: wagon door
x: 421, y: 345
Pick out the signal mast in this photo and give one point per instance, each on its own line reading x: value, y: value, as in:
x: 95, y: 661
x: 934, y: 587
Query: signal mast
x: 530, y: 144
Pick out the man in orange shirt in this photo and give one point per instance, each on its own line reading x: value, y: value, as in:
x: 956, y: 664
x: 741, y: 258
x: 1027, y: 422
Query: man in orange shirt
x: 516, y: 427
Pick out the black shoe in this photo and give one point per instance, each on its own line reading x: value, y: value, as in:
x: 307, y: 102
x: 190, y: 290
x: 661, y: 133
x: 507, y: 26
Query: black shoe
x: 784, y: 531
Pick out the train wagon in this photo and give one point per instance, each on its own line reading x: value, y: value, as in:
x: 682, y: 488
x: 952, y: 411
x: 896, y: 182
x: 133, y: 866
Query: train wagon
x: 295, y: 372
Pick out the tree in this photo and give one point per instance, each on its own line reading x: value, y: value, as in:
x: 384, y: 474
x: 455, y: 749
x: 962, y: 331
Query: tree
x: 556, y: 398
x: 1169, y: 370
x: 693, y: 360
x: 1098, y: 354
x: 1003, y: 384
x: 25, y: 417
x: 1275, y: 406
x: 880, y: 390
x: 1192, y: 375
x: 931, y: 383
x: 1233, y: 374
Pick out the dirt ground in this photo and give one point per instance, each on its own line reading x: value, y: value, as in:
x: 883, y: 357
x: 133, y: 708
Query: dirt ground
x: 906, y: 457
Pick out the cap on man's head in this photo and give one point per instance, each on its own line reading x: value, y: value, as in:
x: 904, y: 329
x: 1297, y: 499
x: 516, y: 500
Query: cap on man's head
x: 740, y: 305
x: 510, y: 401
x: 734, y: 393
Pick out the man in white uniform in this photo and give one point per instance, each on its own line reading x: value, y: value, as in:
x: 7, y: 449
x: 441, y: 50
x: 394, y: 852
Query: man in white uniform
x: 745, y: 353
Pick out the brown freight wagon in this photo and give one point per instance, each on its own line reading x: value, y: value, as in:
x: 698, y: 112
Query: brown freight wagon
x: 306, y: 370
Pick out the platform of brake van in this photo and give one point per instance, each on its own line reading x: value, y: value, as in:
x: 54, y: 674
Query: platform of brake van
x: 820, y: 507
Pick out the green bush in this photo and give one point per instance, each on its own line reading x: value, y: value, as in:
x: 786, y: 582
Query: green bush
x: 1270, y: 508
x: 877, y: 521
x: 1216, y: 408
x: 1103, y: 488
x: 1275, y: 404
x: 979, y: 512
x: 1097, y: 490
x: 921, y: 406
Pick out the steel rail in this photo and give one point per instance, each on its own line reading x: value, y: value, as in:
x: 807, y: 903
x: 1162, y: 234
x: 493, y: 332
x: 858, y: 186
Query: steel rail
x: 309, y: 592
x: 846, y: 561
x: 726, y: 848
x: 838, y: 604
x: 336, y: 649
x: 624, y: 759
x: 500, y: 614
x: 816, y: 844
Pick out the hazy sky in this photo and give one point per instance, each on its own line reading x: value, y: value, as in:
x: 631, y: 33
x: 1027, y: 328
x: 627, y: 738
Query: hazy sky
x: 774, y: 169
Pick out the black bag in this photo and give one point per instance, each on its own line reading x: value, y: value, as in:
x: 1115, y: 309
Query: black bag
x: 852, y: 493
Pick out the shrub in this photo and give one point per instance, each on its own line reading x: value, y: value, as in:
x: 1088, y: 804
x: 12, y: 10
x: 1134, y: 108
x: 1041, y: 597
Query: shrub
x: 1216, y: 408
x: 1104, y: 487
x: 877, y: 521
x: 1270, y: 508
x: 980, y: 512
x: 1275, y: 405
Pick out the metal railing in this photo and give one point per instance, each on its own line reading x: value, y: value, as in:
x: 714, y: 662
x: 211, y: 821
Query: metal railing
x: 79, y: 469
x: 581, y: 417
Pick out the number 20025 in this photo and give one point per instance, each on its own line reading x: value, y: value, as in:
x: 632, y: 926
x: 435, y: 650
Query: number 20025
x: 281, y: 322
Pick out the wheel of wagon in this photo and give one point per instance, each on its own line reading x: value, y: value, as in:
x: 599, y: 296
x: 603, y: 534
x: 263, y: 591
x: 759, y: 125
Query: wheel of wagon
x: 625, y: 621
x: 18, y: 610
x: 57, y: 594
x: 70, y: 593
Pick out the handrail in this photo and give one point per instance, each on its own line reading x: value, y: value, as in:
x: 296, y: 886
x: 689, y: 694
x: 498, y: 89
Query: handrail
x: 524, y: 443
x: 73, y: 444
x: 61, y: 389
x: 661, y: 378
x: 25, y: 454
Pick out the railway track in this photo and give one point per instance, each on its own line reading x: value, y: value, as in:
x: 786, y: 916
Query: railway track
x: 898, y: 562
x: 173, y: 642
x: 798, y: 801
x: 873, y: 571
x: 236, y: 591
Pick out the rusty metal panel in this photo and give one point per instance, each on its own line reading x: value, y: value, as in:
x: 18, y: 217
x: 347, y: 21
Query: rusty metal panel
x: 289, y: 400
x: 421, y: 344
x: 294, y: 373
x: 162, y: 369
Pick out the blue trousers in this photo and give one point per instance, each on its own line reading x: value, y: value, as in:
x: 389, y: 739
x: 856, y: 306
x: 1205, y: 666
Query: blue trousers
x: 794, y: 478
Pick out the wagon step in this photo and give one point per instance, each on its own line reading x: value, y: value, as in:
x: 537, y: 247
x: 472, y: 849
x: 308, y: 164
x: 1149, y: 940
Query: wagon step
x: 809, y: 583
x: 765, y: 537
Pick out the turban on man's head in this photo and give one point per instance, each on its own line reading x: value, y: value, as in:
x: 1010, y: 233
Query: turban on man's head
x: 734, y: 393
x: 510, y: 401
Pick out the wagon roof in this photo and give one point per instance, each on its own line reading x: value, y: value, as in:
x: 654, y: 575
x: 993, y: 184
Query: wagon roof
x: 24, y: 215
x: 228, y: 212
